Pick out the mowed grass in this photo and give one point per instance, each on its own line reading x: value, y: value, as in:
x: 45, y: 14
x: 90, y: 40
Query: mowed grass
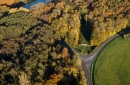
x: 112, y: 66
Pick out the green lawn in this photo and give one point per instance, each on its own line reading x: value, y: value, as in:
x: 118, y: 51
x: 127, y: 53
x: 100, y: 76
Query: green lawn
x: 113, y: 64
x: 83, y: 49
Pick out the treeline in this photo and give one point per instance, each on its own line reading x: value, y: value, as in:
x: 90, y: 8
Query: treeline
x: 64, y: 18
x: 31, y: 53
x: 108, y: 17
x: 98, y: 20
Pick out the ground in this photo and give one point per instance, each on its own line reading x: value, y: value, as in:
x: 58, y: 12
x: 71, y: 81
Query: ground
x: 112, y: 65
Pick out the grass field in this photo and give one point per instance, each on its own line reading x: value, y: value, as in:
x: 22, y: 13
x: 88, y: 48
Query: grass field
x: 112, y: 66
x: 83, y: 49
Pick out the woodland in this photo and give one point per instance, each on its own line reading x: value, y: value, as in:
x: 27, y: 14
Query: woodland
x: 31, y: 51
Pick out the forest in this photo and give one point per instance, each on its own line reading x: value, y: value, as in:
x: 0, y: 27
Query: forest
x: 31, y: 51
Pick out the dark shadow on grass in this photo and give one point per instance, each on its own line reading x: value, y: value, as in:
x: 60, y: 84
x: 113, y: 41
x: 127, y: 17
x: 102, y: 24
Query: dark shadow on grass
x: 86, y: 29
x: 93, y: 47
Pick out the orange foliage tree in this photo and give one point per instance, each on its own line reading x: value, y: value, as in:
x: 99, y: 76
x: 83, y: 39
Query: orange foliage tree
x: 8, y: 2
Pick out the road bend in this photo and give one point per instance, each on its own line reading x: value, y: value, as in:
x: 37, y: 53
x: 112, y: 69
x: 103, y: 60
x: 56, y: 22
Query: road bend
x: 87, y: 60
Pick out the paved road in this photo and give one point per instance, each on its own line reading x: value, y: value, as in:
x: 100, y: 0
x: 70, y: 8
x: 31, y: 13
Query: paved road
x: 84, y: 67
x: 87, y: 60
x: 90, y: 58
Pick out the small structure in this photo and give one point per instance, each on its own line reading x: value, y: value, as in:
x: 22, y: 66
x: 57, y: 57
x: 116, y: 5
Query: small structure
x: 84, y: 45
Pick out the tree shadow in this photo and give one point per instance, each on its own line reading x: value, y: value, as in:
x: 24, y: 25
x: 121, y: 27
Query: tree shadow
x: 124, y: 31
x: 4, y: 14
x: 93, y: 47
x: 68, y: 79
x: 17, y: 5
x: 86, y: 29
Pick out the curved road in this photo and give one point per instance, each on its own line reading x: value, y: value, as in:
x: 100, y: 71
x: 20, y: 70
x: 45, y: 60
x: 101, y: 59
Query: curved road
x: 87, y: 60
x: 84, y: 66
